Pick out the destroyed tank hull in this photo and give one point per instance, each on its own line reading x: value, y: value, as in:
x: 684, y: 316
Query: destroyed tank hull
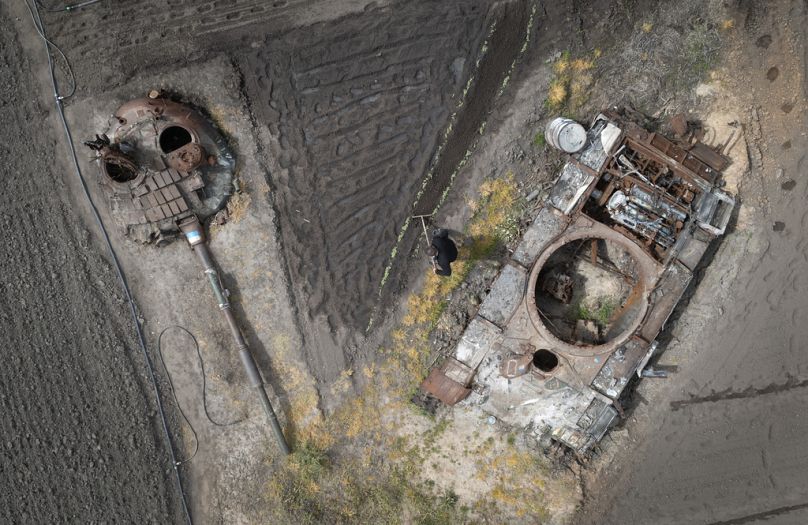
x: 590, y: 286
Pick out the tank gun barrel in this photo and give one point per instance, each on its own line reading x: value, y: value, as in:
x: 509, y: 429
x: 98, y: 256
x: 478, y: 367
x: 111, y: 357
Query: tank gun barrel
x: 195, y: 235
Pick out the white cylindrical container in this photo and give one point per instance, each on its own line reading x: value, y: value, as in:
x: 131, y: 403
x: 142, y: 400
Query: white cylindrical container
x: 566, y: 135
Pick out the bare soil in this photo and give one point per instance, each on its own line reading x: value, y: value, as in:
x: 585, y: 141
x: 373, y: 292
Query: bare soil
x: 310, y: 91
x: 356, y: 113
x: 225, y: 458
x: 80, y: 435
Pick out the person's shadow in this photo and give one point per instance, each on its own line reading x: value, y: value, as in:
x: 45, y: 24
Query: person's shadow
x: 477, y: 248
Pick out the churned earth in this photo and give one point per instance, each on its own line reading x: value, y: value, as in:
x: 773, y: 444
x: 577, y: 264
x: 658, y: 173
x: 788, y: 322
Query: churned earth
x: 353, y: 111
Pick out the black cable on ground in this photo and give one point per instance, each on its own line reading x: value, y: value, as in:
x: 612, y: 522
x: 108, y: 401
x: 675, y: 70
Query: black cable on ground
x: 48, y: 44
x: 121, y: 277
x: 204, y: 387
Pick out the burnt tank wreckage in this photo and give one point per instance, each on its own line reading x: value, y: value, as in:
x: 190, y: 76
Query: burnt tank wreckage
x: 575, y: 312
x: 162, y: 162
x: 165, y: 168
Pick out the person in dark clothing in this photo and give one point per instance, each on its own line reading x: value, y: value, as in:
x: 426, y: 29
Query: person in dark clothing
x: 443, y: 252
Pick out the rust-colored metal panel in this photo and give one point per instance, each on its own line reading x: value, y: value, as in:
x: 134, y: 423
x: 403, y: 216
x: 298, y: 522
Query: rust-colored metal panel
x: 186, y: 158
x: 444, y: 388
x: 709, y: 156
x: 664, y: 298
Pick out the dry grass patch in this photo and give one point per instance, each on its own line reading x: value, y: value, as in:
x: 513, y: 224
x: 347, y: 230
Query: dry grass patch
x: 572, y: 79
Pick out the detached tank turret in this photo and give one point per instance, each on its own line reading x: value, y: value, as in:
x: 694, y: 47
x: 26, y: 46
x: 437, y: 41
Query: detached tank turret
x: 160, y: 162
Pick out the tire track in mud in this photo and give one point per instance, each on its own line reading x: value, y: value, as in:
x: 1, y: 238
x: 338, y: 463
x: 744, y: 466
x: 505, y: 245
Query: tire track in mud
x: 492, y: 74
x: 140, y: 23
x: 78, y: 442
x: 355, y: 109
x: 129, y: 36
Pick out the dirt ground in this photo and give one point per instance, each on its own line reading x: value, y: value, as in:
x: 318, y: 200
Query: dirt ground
x: 722, y: 440
x: 353, y: 111
x: 347, y: 118
x: 247, y: 64
x: 81, y: 439
x: 233, y: 439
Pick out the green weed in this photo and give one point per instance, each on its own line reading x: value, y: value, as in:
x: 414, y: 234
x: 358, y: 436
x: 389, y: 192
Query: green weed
x: 538, y: 140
